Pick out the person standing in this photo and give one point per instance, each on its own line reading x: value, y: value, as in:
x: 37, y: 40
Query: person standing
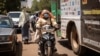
x: 34, y: 19
x: 24, y: 24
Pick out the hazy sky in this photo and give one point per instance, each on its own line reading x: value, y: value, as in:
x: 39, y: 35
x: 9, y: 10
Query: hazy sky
x: 29, y: 3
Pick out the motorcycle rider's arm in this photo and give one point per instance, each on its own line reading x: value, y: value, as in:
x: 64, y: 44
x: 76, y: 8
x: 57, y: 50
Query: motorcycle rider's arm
x: 54, y: 23
x: 38, y: 31
x: 38, y: 24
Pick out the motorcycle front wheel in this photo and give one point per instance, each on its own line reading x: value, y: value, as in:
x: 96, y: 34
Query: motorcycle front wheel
x: 48, y: 51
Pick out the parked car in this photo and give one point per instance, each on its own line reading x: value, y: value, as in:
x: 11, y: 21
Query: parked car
x: 8, y: 36
x: 15, y: 17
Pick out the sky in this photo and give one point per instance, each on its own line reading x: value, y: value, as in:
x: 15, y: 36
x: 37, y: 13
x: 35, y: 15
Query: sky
x: 29, y: 3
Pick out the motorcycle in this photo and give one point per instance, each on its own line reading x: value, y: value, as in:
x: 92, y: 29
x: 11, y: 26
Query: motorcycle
x: 47, y: 43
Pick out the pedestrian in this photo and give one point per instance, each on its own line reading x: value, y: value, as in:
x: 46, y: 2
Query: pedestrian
x: 33, y: 20
x: 24, y: 24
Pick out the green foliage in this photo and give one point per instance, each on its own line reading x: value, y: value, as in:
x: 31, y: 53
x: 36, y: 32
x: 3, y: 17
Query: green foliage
x: 9, y: 5
x: 2, y: 5
x: 34, y: 6
x: 42, y: 4
x: 12, y: 5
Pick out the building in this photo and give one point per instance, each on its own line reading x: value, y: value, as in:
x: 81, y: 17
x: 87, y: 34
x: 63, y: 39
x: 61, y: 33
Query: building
x: 29, y: 3
x: 26, y: 3
x: 23, y: 3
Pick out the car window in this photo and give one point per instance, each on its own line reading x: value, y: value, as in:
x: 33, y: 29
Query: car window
x: 5, y: 22
x: 14, y: 15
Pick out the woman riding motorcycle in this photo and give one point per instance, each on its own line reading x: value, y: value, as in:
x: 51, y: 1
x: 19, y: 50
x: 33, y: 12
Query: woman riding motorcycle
x: 46, y: 17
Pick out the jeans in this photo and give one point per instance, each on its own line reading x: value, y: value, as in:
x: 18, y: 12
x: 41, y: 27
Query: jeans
x: 25, y: 31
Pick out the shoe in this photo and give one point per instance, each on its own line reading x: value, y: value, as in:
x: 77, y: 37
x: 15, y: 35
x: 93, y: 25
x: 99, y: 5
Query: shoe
x: 26, y: 41
x: 55, y: 49
x: 39, y: 52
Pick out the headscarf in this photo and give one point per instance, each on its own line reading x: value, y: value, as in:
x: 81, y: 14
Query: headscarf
x: 46, y: 11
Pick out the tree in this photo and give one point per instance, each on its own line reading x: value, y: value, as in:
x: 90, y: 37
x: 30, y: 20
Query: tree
x: 44, y: 4
x: 40, y: 5
x: 34, y: 6
x: 9, y: 5
x: 12, y: 5
x: 2, y: 6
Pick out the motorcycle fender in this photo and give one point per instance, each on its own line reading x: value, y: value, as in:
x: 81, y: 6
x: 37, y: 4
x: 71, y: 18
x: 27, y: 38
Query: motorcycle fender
x: 49, y: 44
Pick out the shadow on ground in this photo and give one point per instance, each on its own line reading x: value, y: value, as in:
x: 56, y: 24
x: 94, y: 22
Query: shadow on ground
x: 64, y: 43
x: 19, y: 49
x: 30, y: 42
x: 88, y: 52
x: 18, y: 53
x: 56, y: 54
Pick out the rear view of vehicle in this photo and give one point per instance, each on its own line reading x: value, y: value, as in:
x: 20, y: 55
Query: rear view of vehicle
x: 15, y: 17
x: 8, y: 37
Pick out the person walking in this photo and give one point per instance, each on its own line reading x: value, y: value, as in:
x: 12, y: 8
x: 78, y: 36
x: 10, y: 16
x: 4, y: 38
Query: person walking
x: 34, y: 19
x: 24, y: 24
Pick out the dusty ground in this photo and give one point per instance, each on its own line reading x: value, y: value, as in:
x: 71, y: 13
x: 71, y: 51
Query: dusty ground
x: 31, y: 49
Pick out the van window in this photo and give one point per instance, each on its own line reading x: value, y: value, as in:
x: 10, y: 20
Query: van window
x: 14, y: 15
x: 5, y: 22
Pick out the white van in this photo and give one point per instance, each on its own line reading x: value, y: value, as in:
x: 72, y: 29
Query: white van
x: 15, y: 17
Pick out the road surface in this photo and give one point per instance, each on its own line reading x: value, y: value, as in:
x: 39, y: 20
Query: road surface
x: 31, y: 49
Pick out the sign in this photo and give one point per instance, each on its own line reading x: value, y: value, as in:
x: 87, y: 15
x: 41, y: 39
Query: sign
x: 70, y: 8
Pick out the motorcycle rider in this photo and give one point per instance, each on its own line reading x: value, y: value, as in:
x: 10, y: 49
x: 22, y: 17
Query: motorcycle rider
x: 46, y: 17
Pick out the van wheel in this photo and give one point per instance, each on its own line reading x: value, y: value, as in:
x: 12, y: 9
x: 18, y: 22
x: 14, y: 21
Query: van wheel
x: 76, y: 47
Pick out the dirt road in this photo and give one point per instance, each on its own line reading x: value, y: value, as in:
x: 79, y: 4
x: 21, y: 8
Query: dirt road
x: 31, y: 49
